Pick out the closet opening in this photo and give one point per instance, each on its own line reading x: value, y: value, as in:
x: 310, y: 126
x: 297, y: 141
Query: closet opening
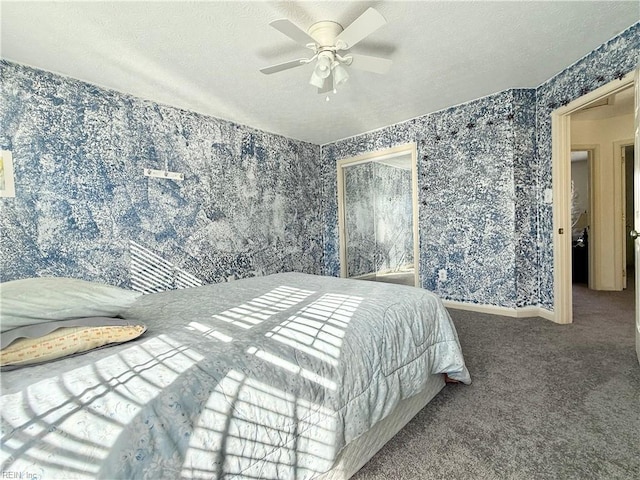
x: 378, y: 216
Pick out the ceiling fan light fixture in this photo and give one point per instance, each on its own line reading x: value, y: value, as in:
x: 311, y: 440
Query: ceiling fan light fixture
x: 323, y: 64
x: 316, y: 80
x: 340, y: 75
x: 326, y: 38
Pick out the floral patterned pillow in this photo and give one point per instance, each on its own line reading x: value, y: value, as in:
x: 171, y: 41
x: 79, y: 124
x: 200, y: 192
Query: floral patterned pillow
x: 45, y: 342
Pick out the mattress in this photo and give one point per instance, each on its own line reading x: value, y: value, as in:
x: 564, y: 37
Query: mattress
x: 269, y: 377
x: 359, y: 451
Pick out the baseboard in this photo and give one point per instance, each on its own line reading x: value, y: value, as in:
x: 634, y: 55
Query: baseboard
x: 519, y: 312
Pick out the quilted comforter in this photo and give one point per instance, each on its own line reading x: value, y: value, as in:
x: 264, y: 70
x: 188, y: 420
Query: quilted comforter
x: 267, y: 377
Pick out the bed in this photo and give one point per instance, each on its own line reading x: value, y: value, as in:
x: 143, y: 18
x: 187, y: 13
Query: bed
x: 286, y: 376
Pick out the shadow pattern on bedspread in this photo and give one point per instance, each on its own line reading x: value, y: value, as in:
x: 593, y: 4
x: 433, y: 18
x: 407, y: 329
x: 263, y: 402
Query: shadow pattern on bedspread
x: 253, y: 389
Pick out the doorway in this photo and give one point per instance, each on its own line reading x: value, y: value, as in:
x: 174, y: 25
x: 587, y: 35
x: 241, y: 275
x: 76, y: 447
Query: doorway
x: 377, y: 210
x: 606, y: 227
x: 628, y: 155
x: 599, y: 134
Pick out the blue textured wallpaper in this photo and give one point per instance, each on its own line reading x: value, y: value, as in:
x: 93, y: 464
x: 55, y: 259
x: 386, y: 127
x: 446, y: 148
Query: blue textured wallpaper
x: 467, y: 182
x: 250, y: 202
x: 467, y: 193
x: 607, y: 63
x: 483, y: 169
x: 254, y: 203
x: 525, y: 175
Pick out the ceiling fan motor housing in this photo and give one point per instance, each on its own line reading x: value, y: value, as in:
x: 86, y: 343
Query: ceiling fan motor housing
x: 325, y: 33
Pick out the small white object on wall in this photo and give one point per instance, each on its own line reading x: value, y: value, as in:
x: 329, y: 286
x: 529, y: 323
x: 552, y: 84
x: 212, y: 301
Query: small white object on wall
x: 442, y: 275
x: 149, y: 172
x: 7, y: 188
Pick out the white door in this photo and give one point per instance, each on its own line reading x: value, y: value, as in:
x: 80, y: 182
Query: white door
x: 636, y: 206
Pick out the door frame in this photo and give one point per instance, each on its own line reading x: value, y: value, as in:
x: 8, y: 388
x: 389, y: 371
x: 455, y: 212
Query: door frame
x: 400, y: 150
x: 636, y: 201
x: 561, y: 193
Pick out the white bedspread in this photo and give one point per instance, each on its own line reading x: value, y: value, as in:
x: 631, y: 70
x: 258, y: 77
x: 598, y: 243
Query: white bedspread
x: 265, y: 378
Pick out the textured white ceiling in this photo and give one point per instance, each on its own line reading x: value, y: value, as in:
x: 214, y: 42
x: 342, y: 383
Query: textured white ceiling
x: 206, y: 56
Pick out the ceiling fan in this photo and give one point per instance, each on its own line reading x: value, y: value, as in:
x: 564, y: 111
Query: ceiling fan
x: 326, y: 39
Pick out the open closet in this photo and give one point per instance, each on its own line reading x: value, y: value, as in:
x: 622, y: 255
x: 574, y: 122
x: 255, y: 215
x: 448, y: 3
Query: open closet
x: 378, y: 216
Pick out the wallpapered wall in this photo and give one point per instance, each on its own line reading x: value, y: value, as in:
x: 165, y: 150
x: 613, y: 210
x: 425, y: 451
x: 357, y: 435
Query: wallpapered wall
x: 607, y: 63
x: 482, y: 238
x: 484, y: 166
x: 254, y: 203
x: 250, y: 202
x: 467, y: 181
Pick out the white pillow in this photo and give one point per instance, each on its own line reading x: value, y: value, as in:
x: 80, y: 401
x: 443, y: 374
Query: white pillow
x: 45, y: 299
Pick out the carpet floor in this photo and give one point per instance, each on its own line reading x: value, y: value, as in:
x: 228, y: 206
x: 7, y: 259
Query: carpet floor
x: 547, y: 401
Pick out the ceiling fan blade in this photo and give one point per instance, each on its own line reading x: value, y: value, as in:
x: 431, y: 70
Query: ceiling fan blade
x: 370, y: 64
x: 292, y: 31
x: 284, y: 66
x: 364, y: 25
